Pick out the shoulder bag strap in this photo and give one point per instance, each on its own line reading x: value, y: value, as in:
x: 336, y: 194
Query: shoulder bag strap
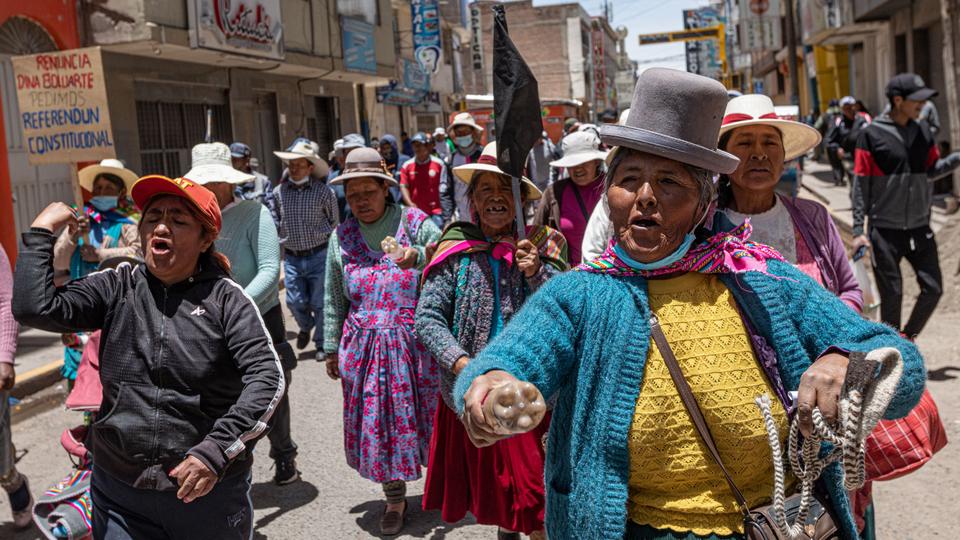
x: 583, y: 207
x: 690, y: 403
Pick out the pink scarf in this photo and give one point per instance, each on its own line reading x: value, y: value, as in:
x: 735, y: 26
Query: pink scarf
x: 723, y: 253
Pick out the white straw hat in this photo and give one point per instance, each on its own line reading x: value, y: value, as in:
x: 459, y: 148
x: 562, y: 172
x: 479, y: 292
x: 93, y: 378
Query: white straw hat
x: 464, y: 119
x: 757, y: 109
x: 89, y: 174
x: 303, y: 149
x: 211, y: 163
x: 578, y: 148
x: 488, y: 162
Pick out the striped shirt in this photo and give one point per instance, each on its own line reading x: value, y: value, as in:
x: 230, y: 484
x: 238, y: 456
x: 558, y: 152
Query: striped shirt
x: 307, y: 214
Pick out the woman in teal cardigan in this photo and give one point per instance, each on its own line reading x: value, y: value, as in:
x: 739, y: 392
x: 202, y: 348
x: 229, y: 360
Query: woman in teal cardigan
x: 584, y: 339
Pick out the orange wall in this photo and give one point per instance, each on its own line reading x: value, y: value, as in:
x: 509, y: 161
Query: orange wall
x: 59, y: 18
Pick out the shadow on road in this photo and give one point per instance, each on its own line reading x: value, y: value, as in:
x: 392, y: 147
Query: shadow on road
x: 418, y: 523
x: 281, y: 498
x: 943, y: 374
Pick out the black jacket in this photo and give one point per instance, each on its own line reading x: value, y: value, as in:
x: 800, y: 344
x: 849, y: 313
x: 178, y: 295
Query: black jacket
x: 186, y: 370
x: 844, y: 131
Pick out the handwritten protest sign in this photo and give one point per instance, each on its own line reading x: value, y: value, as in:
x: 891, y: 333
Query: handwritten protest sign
x: 63, y: 106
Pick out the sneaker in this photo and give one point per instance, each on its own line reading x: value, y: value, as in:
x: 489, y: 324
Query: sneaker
x: 303, y: 339
x: 286, y: 472
x: 23, y: 516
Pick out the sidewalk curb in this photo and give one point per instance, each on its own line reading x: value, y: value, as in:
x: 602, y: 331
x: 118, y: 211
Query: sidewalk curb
x: 37, y: 379
x: 842, y: 224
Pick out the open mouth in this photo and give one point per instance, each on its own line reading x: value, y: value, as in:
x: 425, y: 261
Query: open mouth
x: 496, y: 209
x: 645, y: 222
x: 758, y: 170
x: 160, y: 246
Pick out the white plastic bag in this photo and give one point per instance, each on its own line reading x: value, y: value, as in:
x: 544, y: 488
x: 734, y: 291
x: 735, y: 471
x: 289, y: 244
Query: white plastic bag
x: 871, y: 296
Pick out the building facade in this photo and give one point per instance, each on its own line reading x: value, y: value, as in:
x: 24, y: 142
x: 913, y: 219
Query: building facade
x: 573, y: 56
x: 263, y: 72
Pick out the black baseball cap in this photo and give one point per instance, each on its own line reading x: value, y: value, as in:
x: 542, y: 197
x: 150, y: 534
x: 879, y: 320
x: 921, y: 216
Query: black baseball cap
x: 909, y: 86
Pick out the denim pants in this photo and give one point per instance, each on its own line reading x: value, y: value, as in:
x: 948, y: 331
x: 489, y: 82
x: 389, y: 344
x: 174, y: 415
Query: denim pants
x: 9, y: 479
x: 303, y: 279
x: 123, y: 512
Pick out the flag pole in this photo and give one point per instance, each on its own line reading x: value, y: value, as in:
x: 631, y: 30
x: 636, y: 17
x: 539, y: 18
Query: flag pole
x: 521, y: 226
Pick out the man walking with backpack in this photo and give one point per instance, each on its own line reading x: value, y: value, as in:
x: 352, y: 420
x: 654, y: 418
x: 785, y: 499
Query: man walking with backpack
x: 896, y: 160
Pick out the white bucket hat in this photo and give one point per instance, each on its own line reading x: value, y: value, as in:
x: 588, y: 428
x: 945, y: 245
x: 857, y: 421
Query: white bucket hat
x: 579, y: 148
x: 464, y: 119
x: 89, y: 174
x: 303, y: 149
x: 210, y: 162
x: 488, y: 162
x: 757, y: 109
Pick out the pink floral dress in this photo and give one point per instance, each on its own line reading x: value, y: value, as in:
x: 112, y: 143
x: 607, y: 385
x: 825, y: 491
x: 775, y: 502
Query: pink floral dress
x: 390, y: 382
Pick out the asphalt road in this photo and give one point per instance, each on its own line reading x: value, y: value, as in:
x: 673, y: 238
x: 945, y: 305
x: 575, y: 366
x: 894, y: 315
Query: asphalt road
x: 333, y: 502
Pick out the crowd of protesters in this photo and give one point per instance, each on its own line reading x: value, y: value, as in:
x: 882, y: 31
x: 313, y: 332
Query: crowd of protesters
x: 407, y: 275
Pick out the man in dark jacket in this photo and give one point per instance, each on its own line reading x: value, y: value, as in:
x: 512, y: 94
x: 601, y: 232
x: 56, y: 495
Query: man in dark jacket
x: 842, y: 136
x: 190, y: 377
x: 896, y: 160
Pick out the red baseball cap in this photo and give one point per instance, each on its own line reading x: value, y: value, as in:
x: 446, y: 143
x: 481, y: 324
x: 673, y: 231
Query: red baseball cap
x: 202, y: 198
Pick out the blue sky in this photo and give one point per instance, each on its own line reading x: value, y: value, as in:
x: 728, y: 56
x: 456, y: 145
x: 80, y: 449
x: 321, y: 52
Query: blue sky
x: 643, y: 17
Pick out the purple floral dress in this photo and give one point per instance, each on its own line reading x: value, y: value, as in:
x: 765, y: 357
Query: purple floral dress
x: 390, y: 382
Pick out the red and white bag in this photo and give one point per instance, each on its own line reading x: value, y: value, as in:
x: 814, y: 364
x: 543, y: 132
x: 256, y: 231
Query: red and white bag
x: 899, y: 447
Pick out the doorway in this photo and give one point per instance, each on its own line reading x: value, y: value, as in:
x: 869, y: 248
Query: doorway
x: 266, y: 131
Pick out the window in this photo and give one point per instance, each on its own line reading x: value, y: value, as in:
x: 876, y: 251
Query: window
x: 168, y: 131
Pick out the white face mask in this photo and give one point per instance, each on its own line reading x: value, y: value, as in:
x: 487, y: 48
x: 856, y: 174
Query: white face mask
x: 300, y: 182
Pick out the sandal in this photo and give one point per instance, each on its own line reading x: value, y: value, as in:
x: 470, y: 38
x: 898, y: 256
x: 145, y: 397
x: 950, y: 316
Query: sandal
x: 392, y: 521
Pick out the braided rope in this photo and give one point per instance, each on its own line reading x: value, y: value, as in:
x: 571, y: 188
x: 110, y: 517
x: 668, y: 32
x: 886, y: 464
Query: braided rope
x: 806, y: 462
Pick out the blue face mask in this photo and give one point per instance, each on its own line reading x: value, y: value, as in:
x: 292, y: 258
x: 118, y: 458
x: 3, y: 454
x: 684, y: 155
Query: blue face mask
x: 662, y: 263
x: 104, y: 203
x: 464, y: 142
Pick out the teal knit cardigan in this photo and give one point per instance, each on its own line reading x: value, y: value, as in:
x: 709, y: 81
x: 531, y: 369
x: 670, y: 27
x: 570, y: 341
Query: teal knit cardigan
x: 584, y: 338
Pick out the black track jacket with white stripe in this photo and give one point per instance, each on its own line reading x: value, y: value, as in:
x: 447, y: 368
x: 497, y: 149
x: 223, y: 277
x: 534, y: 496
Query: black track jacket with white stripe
x: 186, y: 370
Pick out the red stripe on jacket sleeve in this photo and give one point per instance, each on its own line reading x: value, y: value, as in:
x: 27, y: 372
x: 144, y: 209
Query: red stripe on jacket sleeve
x: 864, y: 165
x: 933, y: 156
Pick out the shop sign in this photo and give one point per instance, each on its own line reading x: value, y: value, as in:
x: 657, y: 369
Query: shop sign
x: 476, y: 39
x: 426, y: 34
x: 703, y: 57
x: 249, y: 27
x: 63, y: 106
x: 359, y: 49
x: 414, y: 77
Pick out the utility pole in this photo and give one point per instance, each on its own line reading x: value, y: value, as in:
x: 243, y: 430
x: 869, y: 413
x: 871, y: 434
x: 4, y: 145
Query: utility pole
x: 792, y: 54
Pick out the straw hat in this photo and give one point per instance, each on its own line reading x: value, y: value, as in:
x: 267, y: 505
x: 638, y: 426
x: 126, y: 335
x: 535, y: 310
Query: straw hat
x: 303, y: 149
x: 675, y: 115
x: 757, y: 109
x: 578, y: 148
x: 464, y: 119
x: 88, y: 175
x: 488, y: 162
x: 364, y: 163
x: 211, y: 163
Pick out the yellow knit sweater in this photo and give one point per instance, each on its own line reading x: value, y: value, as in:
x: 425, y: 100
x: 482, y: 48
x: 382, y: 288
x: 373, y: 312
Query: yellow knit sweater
x: 674, y: 483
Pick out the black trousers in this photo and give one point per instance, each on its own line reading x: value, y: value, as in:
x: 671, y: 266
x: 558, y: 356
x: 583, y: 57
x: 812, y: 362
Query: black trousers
x: 122, y: 512
x: 839, y: 168
x: 919, y: 247
x: 282, y: 446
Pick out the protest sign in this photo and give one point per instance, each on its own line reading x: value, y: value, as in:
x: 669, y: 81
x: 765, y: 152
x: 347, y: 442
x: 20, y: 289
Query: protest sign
x: 63, y: 106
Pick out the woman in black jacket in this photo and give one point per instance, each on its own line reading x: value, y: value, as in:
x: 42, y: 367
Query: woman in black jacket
x: 190, y: 377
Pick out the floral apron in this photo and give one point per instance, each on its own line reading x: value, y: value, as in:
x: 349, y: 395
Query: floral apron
x: 390, y: 382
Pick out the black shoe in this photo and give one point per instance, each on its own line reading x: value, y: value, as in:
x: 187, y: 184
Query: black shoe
x: 303, y: 339
x: 286, y: 471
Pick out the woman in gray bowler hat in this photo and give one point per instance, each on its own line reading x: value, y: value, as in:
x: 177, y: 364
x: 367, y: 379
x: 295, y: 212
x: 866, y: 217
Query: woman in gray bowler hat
x: 625, y: 459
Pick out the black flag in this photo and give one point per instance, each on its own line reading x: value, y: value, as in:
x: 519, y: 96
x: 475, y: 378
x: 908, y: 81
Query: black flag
x: 516, y: 102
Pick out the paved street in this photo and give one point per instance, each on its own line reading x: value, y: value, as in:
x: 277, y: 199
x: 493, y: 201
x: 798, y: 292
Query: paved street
x: 332, y: 501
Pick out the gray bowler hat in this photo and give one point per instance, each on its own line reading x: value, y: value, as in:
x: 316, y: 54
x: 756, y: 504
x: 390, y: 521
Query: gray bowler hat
x: 676, y: 115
